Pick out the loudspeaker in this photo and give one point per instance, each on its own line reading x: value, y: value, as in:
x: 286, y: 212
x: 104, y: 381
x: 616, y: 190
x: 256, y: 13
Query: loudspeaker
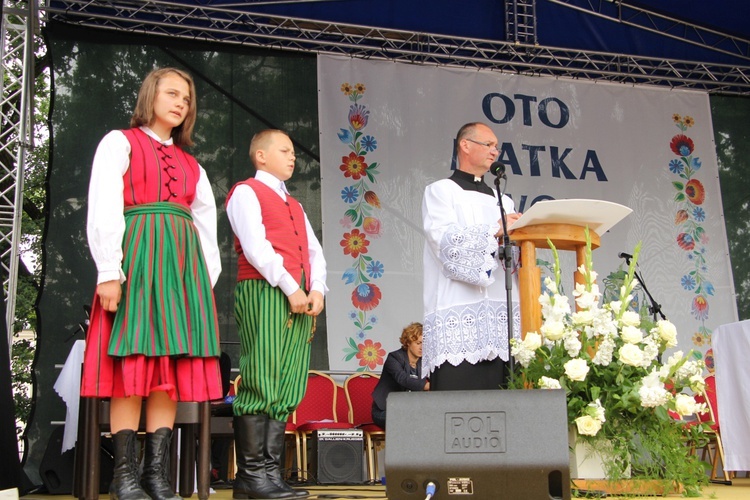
x: 337, y: 456
x: 56, y: 469
x: 483, y: 445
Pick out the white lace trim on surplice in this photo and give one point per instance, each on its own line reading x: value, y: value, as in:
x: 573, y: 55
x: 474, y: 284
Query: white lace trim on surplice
x: 470, y: 332
x: 468, y: 254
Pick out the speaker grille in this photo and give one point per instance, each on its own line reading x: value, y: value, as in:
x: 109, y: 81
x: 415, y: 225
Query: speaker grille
x: 338, y: 459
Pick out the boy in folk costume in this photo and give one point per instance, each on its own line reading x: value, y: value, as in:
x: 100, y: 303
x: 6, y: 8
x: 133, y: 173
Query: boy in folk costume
x: 151, y: 229
x: 280, y: 288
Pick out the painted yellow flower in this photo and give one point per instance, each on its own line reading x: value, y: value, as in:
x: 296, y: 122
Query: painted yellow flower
x: 370, y: 354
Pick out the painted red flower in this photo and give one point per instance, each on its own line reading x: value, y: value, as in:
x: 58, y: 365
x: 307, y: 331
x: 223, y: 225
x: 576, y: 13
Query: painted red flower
x: 695, y: 191
x: 358, y: 116
x: 709, y: 360
x: 354, y: 243
x: 700, y: 307
x: 353, y: 166
x: 685, y: 241
x: 682, y: 145
x: 370, y: 354
x: 371, y: 225
x: 372, y: 199
x: 366, y: 296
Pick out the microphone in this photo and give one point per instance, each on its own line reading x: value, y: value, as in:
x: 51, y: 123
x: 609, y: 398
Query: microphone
x: 624, y: 255
x: 498, y: 168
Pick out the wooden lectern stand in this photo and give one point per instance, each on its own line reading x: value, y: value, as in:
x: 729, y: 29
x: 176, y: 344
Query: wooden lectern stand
x: 564, y: 223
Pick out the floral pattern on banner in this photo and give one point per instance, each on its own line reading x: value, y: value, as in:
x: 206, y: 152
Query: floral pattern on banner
x: 689, y: 217
x: 360, y: 227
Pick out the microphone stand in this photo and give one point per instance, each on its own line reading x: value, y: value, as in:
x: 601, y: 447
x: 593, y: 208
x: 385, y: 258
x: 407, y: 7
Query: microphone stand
x: 506, y: 251
x: 654, y: 308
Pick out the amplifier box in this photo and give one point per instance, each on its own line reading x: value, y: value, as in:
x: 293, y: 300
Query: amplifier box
x: 478, y: 445
x: 337, y: 456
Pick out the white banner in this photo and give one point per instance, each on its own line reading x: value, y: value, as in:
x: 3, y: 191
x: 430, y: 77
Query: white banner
x: 387, y: 130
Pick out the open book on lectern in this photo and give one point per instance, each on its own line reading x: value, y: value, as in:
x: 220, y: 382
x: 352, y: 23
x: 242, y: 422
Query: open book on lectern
x: 598, y: 215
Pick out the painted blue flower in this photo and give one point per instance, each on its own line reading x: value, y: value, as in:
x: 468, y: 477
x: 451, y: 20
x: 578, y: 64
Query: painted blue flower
x: 349, y: 275
x: 690, y: 256
x: 688, y: 282
x: 375, y: 269
x: 675, y: 166
x: 373, y: 319
x: 699, y: 214
x: 361, y: 335
x: 696, y: 163
x: 349, y: 194
x: 352, y: 314
x: 345, y: 136
x: 369, y: 143
x: 708, y: 287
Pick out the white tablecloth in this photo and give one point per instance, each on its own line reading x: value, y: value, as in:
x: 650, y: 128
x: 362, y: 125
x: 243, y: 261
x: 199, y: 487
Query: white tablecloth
x: 68, y: 386
x: 731, y: 345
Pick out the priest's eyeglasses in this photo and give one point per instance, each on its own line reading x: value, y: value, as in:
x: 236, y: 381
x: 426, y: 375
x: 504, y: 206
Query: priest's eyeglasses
x: 485, y: 144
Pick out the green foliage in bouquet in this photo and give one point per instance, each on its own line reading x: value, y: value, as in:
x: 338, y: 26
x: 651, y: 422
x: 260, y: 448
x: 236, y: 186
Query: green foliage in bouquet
x: 619, y: 393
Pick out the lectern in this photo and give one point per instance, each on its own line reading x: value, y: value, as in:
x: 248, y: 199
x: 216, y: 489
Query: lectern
x: 563, y: 222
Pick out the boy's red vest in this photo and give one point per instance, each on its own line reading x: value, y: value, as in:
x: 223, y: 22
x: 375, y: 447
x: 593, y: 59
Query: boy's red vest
x: 285, y: 229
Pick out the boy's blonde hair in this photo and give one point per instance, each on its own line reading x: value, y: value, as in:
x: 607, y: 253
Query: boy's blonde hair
x: 261, y: 140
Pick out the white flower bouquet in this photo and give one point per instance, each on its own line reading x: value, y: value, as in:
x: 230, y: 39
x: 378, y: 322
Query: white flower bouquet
x: 608, y: 360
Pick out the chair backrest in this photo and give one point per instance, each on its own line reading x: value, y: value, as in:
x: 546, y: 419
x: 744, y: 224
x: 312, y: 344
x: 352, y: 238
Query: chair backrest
x: 319, y: 401
x: 235, y: 387
x: 342, y: 404
x: 359, y: 389
x: 713, y: 407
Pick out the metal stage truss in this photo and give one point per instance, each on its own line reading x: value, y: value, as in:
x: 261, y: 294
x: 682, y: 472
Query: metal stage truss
x: 16, y: 133
x: 226, y: 23
x: 235, y: 23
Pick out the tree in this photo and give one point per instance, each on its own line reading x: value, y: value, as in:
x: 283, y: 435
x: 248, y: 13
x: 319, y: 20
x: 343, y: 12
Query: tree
x: 733, y: 150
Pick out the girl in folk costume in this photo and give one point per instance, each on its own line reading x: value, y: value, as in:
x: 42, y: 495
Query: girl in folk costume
x: 152, y: 232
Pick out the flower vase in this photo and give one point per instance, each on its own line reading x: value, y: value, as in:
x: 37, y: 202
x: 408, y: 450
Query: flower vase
x: 587, y: 459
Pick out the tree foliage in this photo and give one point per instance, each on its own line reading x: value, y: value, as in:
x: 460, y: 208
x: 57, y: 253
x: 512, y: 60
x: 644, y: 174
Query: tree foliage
x: 733, y: 153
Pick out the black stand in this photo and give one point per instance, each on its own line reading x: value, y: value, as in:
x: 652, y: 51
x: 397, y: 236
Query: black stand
x: 505, y: 251
x: 654, y: 308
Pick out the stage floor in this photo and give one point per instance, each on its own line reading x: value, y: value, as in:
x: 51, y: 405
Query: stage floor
x: 740, y: 489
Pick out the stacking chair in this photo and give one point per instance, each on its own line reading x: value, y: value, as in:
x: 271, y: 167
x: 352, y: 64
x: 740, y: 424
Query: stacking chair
x: 291, y: 437
x: 190, y: 418
x: 358, y: 388
x: 342, y: 404
x: 316, y: 411
x: 222, y: 426
x: 714, y: 450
